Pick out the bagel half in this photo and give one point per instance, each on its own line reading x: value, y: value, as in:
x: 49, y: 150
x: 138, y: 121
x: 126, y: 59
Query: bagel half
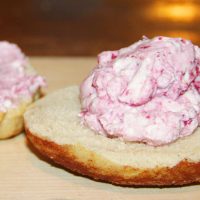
x: 20, y: 85
x: 12, y: 122
x: 53, y: 127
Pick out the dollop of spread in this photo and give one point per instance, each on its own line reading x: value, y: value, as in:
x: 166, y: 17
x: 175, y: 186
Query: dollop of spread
x: 148, y: 92
x: 18, y: 81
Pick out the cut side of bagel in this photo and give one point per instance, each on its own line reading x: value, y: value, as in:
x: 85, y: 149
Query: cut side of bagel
x: 53, y: 127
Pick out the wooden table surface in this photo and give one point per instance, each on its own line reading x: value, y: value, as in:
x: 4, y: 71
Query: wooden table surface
x: 25, y: 175
x: 75, y: 27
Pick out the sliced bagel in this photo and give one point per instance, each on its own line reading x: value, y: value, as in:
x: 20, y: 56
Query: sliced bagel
x: 12, y: 122
x: 20, y: 85
x: 53, y: 127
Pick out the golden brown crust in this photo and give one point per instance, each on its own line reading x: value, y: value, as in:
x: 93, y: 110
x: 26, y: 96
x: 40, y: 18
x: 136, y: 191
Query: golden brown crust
x: 1, y: 116
x: 86, y: 162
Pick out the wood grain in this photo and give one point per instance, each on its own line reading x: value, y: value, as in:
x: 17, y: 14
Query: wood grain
x: 26, y: 175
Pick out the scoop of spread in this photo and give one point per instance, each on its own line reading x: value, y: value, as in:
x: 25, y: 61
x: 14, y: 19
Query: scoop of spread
x: 147, y: 92
x: 16, y: 83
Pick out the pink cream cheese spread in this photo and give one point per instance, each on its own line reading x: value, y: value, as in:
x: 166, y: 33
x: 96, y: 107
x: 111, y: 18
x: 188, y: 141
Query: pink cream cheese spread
x: 148, y: 92
x: 17, y: 80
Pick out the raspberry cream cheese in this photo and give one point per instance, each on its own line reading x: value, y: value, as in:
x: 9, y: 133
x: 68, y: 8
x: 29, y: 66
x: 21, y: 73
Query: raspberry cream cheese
x: 18, y: 81
x: 147, y: 92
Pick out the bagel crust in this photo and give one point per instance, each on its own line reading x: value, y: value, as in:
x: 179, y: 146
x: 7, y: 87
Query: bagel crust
x: 79, y: 159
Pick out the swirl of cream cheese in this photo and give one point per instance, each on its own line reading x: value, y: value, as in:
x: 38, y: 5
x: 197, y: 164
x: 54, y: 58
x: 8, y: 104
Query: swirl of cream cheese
x: 18, y: 81
x: 148, y: 92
